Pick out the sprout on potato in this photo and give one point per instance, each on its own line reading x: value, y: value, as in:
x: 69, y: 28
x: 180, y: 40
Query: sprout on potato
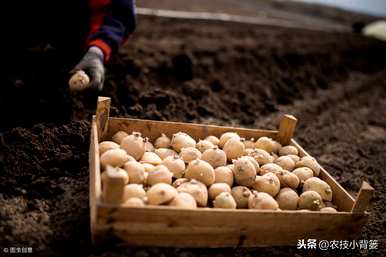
x: 189, y: 154
x: 165, y: 152
x: 241, y: 195
x: 196, y: 189
x: 151, y: 157
x: 213, y: 139
x: 310, y: 162
x: 134, y: 145
x: 161, y: 193
x: 285, y: 162
x: 268, y: 183
x: 244, y: 172
x: 287, y: 198
x: 226, y: 136
x: 162, y: 142
x: 319, y: 186
x: 263, y: 201
x: 119, y: 136
x: 182, y: 140
x: 175, y: 165
x: 184, y: 200
x: 160, y: 174
x: 114, y: 157
x: 107, y: 145
x: 224, y: 200
x: 288, y: 150
x: 200, y: 170
x: 215, y: 157
x: 310, y: 200
x: 136, y: 172
x: 223, y: 174
x: 204, y: 145
x: 217, y: 188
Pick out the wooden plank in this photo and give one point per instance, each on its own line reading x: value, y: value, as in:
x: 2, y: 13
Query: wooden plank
x: 363, y: 199
x: 102, y: 115
x: 153, y: 129
x: 222, y: 228
x: 341, y: 197
x: 287, y: 129
x: 94, y: 181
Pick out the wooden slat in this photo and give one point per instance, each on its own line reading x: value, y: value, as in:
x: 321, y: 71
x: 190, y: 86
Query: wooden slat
x: 221, y: 228
x: 153, y: 129
x: 341, y: 197
x: 287, y: 129
x: 363, y: 199
x: 95, y: 182
x: 102, y: 115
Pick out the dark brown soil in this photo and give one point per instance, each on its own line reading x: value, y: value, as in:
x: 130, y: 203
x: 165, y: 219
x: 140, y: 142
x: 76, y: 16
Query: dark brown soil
x: 196, y: 72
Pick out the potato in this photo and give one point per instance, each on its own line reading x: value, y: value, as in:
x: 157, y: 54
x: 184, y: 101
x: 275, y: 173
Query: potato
x: 134, y: 190
x: 263, y: 201
x: 189, y: 154
x: 224, y: 200
x: 319, y: 186
x: 295, y: 158
x: 119, y: 136
x: 328, y: 209
x: 285, y: 162
x: 213, y: 139
x: 150, y: 157
x: 287, y: 198
x: 79, y: 81
x: 134, y: 202
x: 204, y: 145
x: 162, y: 142
x: 254, y: 162
x: 184, y: 200
x: 161, y: 193
x: 148, y: 167
x: 287, y: 179
x: 136, y: 172
x: 160, y: 174
x: 200, y: 170
x: 113, y: 157
x: 114, y: 181
x: 223, y: 174
x: 226, y: 136
x: 266, y: 144
x: 241, y: 195
x: 310, y: 162
x: 107, y: 145
x: 215, y: 157
x: 303, y: 173
x: 196, y: 189
x: 182, y: 140
x: 248, y: 143
x: 268, y: 183
x: 233, y: 149
x: 287, y: 150
x: 310, y: 200
x: 217, y: 188
x: 165, y: 152
x: 270, y: 167
x: 175, y: 165
x: 276, y: 147
x: 134, y: 145
x: 244, y: 172
x: 261, y: 156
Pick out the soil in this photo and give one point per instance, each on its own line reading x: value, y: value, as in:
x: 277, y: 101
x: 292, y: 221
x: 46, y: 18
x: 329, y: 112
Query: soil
x: 190, y: 71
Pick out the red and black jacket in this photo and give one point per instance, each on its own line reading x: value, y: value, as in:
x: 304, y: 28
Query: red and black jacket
x: 111, y: 23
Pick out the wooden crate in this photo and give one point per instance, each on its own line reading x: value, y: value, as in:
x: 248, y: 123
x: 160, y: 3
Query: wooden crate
x: 209, y: 227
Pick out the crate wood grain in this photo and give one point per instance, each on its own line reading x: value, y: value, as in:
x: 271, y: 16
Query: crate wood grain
x: 209, y: 227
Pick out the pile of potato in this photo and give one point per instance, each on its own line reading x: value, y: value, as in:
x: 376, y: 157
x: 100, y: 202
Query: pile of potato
x: 227, y: 172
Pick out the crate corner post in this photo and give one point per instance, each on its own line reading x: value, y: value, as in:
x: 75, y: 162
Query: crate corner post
x: 287, y: 128
x: 102, y: 115
x: 363, y: 198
